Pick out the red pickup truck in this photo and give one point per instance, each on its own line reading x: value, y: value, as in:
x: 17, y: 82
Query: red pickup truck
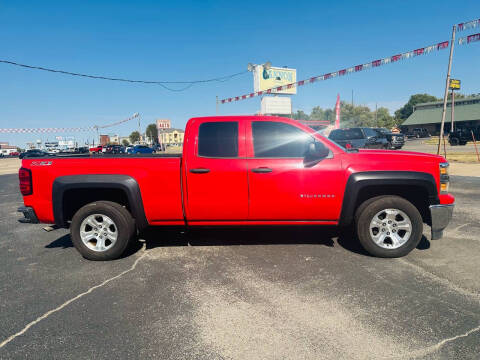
x: 241, y: 171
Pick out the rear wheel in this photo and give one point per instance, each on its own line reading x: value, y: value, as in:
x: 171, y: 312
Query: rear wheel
x: 454, y: 141
x: 388, y: 226
x: 102, y: 230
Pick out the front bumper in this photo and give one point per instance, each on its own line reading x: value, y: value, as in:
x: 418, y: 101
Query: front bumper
x: 398, y: 142
x: 29, y: 215
x: 441, y: 216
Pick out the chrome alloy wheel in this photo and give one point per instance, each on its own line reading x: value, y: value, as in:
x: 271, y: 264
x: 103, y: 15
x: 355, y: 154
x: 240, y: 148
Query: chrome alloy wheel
x: 390, y: 228
x: 98, y: 232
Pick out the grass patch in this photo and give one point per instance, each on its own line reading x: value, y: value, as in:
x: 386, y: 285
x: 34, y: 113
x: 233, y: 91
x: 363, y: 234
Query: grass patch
x: 174, y: 150
x: 462, y: 157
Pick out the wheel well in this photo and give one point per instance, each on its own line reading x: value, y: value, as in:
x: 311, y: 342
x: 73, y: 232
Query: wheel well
x: 74, y: 199
x: 417, y: 195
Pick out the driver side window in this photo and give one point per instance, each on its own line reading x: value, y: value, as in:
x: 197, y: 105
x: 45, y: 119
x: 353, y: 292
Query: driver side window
x: 279, y: 140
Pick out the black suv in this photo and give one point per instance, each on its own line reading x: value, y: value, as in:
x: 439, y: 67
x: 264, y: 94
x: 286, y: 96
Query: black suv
x: 463, y: 135
x: 367, y: 138
x: 417, y: 133
x: 115, y: 149
x: 395, y: 140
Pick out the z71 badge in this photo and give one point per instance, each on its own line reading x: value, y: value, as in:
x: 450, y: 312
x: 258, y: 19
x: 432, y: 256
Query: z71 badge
x: 40, y: 163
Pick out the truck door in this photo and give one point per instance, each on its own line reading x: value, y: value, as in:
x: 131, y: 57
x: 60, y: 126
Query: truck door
x: 283, y: 187
x: 216, y: 172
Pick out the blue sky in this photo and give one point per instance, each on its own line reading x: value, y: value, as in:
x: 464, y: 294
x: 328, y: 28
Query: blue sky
x: 179, y: 40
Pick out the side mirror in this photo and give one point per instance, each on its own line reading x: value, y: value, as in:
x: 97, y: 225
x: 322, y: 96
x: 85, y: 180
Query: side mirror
x: 316, y: 152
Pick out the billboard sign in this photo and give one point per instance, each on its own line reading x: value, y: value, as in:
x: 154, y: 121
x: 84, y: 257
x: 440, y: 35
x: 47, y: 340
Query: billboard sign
x: 264, y: 79
x: 277, y: 105
x: 163, y: 124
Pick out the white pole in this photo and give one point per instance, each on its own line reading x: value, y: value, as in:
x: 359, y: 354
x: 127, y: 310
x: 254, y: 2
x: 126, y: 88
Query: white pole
x: 440, y: 138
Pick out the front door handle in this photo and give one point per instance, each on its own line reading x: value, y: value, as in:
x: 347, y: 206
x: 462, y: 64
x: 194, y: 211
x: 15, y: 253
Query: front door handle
x: 199, y: 171
x: 262, y: 170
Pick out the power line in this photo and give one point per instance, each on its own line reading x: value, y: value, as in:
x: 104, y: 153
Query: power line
x: 189, y: 84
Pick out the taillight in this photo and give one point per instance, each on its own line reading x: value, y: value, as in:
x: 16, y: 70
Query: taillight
x: 25, y: 178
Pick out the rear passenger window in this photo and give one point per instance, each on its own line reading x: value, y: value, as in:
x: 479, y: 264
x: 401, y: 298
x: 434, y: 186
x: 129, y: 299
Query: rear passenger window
x: 218, y: 139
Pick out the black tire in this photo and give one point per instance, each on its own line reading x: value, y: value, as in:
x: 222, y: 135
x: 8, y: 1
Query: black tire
x: 453, y: 141
x: 366, y: 212
x: 124, y: 226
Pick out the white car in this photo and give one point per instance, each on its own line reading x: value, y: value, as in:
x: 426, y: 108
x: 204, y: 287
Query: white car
x: 52, y: 151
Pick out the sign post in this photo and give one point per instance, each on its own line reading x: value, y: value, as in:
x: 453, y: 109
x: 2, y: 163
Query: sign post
x: 454, y: 85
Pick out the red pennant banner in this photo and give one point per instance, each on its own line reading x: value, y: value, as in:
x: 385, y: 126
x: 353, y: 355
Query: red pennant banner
x: 64, y: 130
x: 375, y: 63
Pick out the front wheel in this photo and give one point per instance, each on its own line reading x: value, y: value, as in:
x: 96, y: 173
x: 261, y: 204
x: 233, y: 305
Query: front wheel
x: 388, y: 226
x: 102, y: 230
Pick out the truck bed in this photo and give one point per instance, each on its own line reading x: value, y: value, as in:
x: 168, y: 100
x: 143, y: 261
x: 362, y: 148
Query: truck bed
x: 157, y: 175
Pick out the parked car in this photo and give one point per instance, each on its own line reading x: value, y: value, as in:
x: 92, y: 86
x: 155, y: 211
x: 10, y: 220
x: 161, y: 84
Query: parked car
x: 463, y: 135
x: 33, y: 153
x: 417, y: 133
x: 96, y: 149
x: 140, y: 149
x: 114, y: 149
x: 81, y: 150
x: 366, y: 138
x: 395, y: 139
x: 157, y: 148
x: 243, y: 171
x: 53, y: 151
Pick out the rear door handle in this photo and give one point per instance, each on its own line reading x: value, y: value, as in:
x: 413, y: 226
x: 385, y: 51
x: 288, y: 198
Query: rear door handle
x: 199, y: 171
x: 262, y: 170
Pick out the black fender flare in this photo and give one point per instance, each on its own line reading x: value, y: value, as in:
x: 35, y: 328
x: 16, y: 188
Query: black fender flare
x: 358, y: 181
x: 103, y: 181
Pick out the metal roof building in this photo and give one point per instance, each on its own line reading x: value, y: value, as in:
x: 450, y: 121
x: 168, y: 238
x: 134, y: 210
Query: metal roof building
x: 429, y: 115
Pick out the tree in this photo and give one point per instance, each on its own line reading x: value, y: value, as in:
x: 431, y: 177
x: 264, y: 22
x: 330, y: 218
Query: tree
x: 329, y: 115
x: 152, y: 132
x: 125, y: 142
x: 384, y: 119
x: 300, y: 115
x: 404, y: 112
x: 317, y: 113
x: 134, y: 137
x: 353, y: 116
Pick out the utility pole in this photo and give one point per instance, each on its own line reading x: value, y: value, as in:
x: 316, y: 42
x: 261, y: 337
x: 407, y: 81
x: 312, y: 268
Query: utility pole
x: 139, y: 130
x: 376, y: 117
x: 217, y: 104
x: 352, y: 97
x: 440, y: 138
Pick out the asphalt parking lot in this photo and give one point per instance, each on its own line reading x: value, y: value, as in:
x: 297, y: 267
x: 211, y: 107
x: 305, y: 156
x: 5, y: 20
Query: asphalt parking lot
x: 420, y: 145
x: 240, y: 294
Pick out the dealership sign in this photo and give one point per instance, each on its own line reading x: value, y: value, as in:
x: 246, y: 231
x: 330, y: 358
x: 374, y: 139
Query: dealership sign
x: 454, y: 84
x: 274, y: 77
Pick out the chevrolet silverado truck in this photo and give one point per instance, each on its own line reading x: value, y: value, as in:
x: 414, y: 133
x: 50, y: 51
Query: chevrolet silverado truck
x: 241, y: 171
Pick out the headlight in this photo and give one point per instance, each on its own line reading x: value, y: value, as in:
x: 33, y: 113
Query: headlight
x: 444, y: 178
